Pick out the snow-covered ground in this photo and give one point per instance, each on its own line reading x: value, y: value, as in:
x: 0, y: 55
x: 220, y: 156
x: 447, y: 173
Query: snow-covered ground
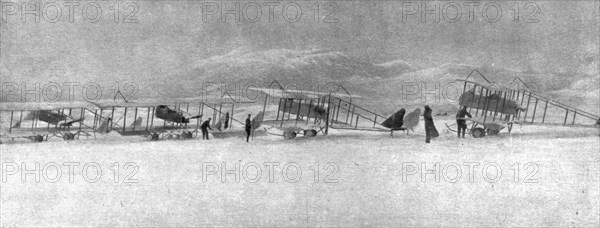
x: 364, y: 179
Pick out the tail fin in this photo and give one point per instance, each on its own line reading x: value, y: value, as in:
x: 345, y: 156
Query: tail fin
x: 257, y: 120
x: 412, y: 119
x: 395, y: 121
x: 218, y: 124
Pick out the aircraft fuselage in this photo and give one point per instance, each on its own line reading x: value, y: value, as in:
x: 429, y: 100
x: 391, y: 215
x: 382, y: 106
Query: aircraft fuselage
x: 51, y: 117
x: 303, y: 109
x: 165, y: 113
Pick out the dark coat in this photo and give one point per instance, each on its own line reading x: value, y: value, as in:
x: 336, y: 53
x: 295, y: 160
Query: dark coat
x: 430, y: 130
x: 205, y: 125
x: 248, y: 123
x: 461, y: 115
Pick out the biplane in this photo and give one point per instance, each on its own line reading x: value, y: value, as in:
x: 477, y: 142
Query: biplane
x: 309, y: 113
x: 167, y: 118
x: 489, y: 103
x: 303, y: 105
x: 41, y: 121
x: 498, y: 107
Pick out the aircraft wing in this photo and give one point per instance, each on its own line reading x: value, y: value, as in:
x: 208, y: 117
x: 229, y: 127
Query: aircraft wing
x: 152, y: 102
x: 139, y: 103
x: 278, y: 93
x: 322, y: 94
x: 298, y: 94
x: 105, y: 104
x: 24, y: 132
x: 33, y: 106
x: 194, y: 100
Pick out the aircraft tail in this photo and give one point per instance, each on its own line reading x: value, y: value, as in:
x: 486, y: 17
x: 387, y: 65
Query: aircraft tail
x: 219, y: 124
x: 412, y: 119
x: 257, y: 120
x: 395, y: 121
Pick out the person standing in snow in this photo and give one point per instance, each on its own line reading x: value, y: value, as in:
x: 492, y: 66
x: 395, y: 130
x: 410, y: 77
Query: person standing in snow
x: 248, y: 128
x: 204, y: 127
x: 461, y: 123
x: 430, y: 130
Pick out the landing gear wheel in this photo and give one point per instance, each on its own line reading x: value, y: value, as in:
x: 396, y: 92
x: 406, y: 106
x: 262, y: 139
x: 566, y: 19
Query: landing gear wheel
x: 177, y: 136
x: 310, y: 133
x: 39, y: 138
x: 189, y: 135
x: 154, y: 137
x: 289, y: 135
x: 478, y: 132
x: 68, y: 136
x: 492, y: 131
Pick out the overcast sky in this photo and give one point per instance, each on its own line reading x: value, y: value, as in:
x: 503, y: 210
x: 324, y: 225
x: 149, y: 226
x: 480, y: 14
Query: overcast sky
x: 166, y: 37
